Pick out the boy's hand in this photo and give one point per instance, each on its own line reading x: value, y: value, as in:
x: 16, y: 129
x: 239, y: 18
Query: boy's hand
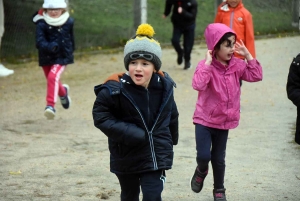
x: 242, y: 50
x: 208, y: 57
x: 180, y: 10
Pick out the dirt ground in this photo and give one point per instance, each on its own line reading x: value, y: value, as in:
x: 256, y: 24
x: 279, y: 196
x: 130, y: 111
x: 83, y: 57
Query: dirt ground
x: 67, y: 158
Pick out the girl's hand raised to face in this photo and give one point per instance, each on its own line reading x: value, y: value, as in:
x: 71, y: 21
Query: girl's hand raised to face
x: 242, y: 50
x: 208, y: 57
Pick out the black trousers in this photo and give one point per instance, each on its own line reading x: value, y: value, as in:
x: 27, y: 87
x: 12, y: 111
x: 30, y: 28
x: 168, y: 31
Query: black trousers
x: 211, y: 146
x: 188, y: 40
x: 151, y: 183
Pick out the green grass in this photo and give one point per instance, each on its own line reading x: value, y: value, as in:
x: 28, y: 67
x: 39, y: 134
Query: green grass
x: 104, y: 25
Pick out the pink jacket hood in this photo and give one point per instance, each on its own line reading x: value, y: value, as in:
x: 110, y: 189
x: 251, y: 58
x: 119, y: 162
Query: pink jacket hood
x: 214, y: 32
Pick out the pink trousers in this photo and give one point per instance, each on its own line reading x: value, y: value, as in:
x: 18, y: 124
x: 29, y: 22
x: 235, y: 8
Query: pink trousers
x: 54, y: 86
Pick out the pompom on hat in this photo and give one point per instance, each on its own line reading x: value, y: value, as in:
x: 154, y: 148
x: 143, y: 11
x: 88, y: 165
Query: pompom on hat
x: 143, y: 43
x: 53, y: 4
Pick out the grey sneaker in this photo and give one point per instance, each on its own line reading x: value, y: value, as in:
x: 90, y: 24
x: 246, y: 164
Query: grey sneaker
x: 219, y: 194
x: 66, y: 100
x: 49, y: 112
x: 197, y: 180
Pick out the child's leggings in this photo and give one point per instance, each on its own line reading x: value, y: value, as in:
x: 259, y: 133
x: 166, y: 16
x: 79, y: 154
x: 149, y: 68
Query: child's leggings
x: 54, y: 86
x: 211, y: 146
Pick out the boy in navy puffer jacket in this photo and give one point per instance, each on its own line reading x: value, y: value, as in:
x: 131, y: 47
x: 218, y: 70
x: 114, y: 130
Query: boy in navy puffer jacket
x: 137, y: 112
x: 55, y: 44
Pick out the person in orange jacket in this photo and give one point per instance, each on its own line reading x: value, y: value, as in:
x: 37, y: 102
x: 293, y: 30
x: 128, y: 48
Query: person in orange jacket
x: 237, y: 17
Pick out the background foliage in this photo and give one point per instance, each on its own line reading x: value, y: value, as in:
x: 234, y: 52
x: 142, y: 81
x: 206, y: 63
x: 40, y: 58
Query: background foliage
x: 101, y: 24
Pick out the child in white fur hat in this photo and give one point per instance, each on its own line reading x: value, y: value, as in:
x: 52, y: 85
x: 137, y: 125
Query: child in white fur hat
x: 55, y: 44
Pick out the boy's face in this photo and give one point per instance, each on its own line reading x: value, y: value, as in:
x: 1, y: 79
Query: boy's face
x: 55, y: 13
x: 226, y: 50
x: 140, y: 71
x: 233, y: 3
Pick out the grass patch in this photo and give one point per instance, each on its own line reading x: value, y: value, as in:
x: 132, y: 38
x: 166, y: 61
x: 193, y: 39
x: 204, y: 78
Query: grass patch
x: 100, y: 25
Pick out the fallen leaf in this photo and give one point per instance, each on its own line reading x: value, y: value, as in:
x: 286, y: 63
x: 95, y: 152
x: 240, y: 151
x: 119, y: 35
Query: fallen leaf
x: 15, y: 173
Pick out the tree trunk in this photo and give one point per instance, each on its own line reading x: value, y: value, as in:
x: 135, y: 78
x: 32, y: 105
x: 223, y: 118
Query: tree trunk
x: 217, y: 3
x: 140, y: 12
x: 137, y: 13
x: 295, y: 20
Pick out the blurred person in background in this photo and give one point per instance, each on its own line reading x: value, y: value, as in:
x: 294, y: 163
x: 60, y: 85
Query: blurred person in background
x: 184, y: 23
x: 55, y: 44
x: 3, y: 71
x: 293, y: 91
x: 233, y: 14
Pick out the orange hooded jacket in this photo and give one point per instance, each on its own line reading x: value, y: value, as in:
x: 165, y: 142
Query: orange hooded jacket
x: 240, y: 20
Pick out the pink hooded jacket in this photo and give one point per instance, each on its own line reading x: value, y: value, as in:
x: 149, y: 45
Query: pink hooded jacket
x: 218, y: 86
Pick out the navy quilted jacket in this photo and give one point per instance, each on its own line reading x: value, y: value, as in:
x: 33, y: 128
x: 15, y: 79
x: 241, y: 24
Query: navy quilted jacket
x: 141, y: 124
x: 188, y: 15
x: 55, y: 44
x: 293, y: 81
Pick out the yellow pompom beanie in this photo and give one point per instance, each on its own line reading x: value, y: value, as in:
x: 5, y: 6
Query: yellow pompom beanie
x: 143, y: 42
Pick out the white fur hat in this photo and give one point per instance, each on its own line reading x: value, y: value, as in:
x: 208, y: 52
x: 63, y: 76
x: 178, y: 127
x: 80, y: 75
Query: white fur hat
x: 54, y: 4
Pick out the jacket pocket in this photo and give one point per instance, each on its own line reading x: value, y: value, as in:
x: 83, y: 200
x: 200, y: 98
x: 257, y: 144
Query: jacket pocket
x: 219, y: 114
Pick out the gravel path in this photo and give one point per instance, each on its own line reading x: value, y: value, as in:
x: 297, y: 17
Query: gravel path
x: 67, y: 158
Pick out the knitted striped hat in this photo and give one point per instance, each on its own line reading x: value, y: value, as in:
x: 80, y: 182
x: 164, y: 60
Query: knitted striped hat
x: 143, y: 43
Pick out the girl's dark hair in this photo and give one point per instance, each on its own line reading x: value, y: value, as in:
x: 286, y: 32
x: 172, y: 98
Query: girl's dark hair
x: 224, y: 38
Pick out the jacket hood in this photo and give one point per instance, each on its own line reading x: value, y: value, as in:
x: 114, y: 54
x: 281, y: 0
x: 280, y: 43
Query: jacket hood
x: 214, y: 32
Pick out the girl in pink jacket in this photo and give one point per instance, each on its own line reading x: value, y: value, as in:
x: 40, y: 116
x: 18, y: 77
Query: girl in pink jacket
x: 217, y: 80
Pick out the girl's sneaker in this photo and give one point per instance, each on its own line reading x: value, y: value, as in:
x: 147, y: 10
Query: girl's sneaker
x: 219, y: 194
x: 197, y: 180
x: 66, y: 100
x: 49, y: 112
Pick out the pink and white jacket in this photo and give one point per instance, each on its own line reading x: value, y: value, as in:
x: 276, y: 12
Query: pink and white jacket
x: 218, y: 86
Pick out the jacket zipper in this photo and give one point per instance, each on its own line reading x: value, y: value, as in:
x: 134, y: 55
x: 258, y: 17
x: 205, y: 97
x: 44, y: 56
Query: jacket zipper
x: 231, y: 19
x: 150, y: 132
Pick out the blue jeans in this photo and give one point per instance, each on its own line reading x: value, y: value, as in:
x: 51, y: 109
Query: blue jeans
x: 188, y: 40
x: 152, y: 184
x: 211, y: 146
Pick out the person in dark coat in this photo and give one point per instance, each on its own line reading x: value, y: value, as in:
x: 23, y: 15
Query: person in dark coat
x: 293, y: 91
x: 184, y: 23
x: 137, y: 112
x: 55, y: 44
